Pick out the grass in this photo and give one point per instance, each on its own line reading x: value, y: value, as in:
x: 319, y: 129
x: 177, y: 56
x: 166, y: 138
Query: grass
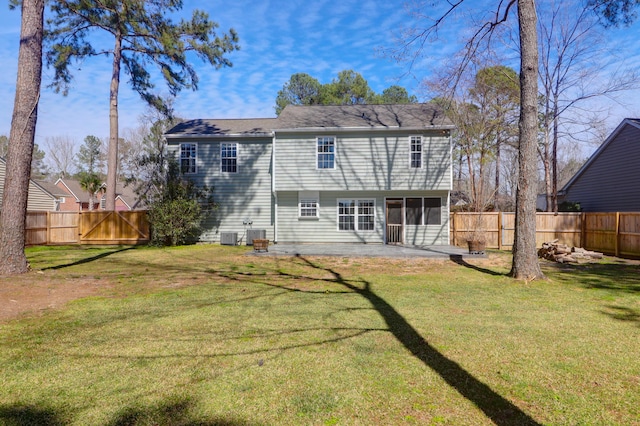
x: 206, y: 335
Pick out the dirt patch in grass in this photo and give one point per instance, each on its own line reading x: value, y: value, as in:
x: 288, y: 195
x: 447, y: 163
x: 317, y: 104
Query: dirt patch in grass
x: 34, y: 293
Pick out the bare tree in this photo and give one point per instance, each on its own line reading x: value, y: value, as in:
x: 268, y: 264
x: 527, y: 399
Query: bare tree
x: 525, y: 261
x: 575, y: 64
x: 22, y: 134
x: 144, y: 37
x: 60, y: 155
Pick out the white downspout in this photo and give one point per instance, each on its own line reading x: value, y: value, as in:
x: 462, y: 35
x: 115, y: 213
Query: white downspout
x: 450, y: 188
x: 273, y: 188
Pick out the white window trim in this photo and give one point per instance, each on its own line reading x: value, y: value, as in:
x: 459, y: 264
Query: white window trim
x: 411, y: 151
x: 335, y: 152
x: 423, y: 218
x: 195, y: 158
x: 355, y: 214
x: 313, y: 196
x: 424, y: 215
x: 237, y: 156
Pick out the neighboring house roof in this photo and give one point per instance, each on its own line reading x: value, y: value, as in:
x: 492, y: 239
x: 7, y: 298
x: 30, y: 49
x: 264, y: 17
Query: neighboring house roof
x: 125, y: 193
x: 75, y: 189
x: 313, y: 117
x: 635, y: 122
x: 51, y: 188
x: 128, y: 196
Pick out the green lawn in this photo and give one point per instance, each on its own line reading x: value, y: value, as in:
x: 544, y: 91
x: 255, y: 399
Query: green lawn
x: 207, y: 335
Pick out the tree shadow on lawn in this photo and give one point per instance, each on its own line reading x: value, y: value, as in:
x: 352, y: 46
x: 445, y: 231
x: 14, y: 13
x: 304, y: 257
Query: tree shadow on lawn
x: 623, y: 313
x: 29, y: 415
x: 457, y: 258
x: 601, y: 276
x: 171, y: 412
x: 89, y: 259
x: 501, y: 411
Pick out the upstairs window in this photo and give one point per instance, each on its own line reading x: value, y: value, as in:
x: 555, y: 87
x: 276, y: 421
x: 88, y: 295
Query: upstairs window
x: 188, y: 158
x: 326, y: 152
x: 229, y: 157
x: 416, y: 152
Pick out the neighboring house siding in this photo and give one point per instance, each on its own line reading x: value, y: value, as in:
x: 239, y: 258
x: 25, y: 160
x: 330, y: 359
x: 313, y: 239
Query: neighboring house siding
x: 611, y: 182
x: 363, y: 161
x: 70, y: 202
x: 38, y: 199
x: 243, y: 195
x: 324, y: 229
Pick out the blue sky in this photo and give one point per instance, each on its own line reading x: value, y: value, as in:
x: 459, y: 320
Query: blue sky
x: 278, y: 38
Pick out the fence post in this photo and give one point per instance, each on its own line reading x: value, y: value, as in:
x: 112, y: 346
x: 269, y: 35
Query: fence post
x: 499, y: 230
x: 48, y: 228
x: 453, y: 222
x: 583, y: 230
x: 617, y: 234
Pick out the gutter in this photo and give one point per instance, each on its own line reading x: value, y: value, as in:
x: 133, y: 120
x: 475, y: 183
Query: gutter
x: 367, y: 128
x: 273, y: 189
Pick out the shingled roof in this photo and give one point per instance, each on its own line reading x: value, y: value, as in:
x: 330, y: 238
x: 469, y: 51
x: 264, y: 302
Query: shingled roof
x: 224, y: 127
x: 299, y: 117
x: 413, y: 116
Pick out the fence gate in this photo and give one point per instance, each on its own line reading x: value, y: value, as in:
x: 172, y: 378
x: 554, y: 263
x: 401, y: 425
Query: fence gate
x: 113, y: 227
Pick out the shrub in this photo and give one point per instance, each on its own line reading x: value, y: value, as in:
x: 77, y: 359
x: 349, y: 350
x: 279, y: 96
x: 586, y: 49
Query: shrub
x: 177, y: 211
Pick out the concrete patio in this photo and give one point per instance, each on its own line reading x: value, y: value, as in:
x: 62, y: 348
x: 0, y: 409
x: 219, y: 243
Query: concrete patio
x: 366, y: 250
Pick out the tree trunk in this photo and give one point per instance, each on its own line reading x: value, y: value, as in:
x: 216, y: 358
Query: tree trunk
x: 112, y: 154
x: 546, y: 163
x: 496, y: 190
x: 554, y: 155
x: 23, y: 128
x: 525, y: 264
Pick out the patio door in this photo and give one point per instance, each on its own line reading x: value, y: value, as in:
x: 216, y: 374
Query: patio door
x: 394, y: 216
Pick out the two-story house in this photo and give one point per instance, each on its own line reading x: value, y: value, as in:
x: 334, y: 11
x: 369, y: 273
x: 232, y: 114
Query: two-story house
x: 334, y: 174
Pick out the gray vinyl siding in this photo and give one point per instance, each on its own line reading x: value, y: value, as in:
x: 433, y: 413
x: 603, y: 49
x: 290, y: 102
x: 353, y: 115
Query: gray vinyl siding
x: 38, y: 199
x: 292, y: 229
x: 612, y: 181
x: 364, y: 161
x: 239, y: 196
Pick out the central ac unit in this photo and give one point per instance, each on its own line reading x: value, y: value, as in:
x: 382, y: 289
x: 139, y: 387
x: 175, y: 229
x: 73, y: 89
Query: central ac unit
x: 255, y: 234
x: 229, y: 238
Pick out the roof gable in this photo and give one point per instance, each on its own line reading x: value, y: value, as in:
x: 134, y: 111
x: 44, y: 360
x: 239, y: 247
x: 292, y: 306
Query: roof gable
x: 75, y: 189
x: 635, y: 122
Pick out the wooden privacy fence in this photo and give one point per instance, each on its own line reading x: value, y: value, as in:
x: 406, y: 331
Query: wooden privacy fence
x: 615, y: 233
x: 95, y: 227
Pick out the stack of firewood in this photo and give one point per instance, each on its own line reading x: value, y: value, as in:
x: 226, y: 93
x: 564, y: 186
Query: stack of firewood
x: 563, y: 254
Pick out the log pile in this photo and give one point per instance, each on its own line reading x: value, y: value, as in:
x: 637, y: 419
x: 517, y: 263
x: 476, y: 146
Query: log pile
x: 562, y: 253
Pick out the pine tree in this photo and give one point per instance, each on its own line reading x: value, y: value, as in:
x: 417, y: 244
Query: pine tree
x: 142, y: 34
